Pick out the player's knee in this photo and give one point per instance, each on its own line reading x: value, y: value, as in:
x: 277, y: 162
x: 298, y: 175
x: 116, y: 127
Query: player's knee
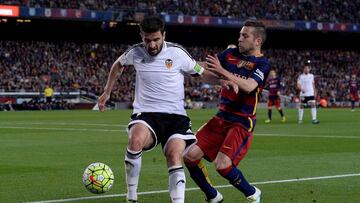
x: 136, y: 143
x: 222, y: 162
x: 190, y: 157
x: 193, y: 154
x: 173, y: 157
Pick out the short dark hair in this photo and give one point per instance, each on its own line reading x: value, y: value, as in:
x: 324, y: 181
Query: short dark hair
x: 260, y: 29
x: 152, y: 24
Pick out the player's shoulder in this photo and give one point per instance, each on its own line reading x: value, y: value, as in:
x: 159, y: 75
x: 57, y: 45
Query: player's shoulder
x: 262, y: 61
x: 174, y: 48
x: 134, y: 47
x: 234, y: 51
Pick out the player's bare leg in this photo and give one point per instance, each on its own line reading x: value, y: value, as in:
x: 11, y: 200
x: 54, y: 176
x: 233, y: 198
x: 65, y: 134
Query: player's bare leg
x: 352, y: 105
x: 226, y: 169
x: 313, y: 112
x: 281, y: 112
x: 174, y: 149
x: 301, y: 112
x: 269, y: 115
x: 139, y: 137
x: 199, y: 174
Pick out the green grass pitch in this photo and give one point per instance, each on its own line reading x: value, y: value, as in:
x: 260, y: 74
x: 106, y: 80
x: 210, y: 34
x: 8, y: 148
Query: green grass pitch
x: 43, y: 155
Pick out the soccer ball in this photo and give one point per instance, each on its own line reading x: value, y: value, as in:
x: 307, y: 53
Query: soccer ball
x: 98, y: 178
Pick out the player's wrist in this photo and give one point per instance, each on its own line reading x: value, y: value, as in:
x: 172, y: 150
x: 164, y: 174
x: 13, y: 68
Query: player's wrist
x: 107, y: 91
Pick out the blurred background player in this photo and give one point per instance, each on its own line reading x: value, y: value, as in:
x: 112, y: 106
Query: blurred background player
x: 353, y: 89
x: 227, y: 137
x: 274, y: 86
x: 306, y: 85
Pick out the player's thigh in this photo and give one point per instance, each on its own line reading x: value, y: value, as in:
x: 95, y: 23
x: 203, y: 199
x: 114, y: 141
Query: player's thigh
x: 354, y: 97
x: 269, y: 104
x: 140, y: 136
x: 312, y: 103
x: 174, y: 151
x: 210, y: 137
x: 236, y: 144
x: 277, y: 104
x: 194, y: 153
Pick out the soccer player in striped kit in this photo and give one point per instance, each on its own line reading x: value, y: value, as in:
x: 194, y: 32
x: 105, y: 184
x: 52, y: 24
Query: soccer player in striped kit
x: 353, y: 90
x: 226, y: 138
x: 274, y: 86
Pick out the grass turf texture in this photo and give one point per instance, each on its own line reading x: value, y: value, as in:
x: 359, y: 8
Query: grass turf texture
x: 43, y: 155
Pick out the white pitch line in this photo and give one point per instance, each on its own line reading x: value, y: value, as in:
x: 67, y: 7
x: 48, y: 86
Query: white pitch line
x: 191, y: 189
x: 62, y: 123
x: 62, y: 129
x: 306, y: 136
x: 124, y: 130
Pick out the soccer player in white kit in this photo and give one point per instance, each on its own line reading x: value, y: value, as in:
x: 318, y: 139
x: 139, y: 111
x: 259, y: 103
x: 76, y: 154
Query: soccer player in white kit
x: 159, y: 115
x: 306, y: 85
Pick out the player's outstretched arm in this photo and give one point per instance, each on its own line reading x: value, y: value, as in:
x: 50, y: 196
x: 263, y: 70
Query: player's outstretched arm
x: 116, y: 70
x: 208, y: 76
x: 213, y: 78
x: 246, y: 85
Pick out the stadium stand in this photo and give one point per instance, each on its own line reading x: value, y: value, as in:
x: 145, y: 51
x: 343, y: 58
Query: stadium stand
x: 321, y: 11
x: 77, y: 66
x: 27, y: 66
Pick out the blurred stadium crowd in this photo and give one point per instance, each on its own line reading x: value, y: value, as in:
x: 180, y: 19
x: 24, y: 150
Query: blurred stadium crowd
x: 318, y: 10
x: 27, y: 66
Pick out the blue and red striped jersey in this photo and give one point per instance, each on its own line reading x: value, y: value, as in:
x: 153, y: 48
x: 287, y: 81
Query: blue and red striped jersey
x: 241, y: 108
x: 274, y: 86
x: 353, y: 85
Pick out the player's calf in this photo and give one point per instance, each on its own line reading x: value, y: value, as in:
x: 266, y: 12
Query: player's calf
x: 173, y: 152
x: 132, y: 169
x: 177, y: 182
x: 199, y: 174
x: 235, y: 177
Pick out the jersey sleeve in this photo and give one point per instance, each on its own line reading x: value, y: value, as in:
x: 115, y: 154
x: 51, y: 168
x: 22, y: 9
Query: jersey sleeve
x: 222, y: 58
x: 127, y: 58
x: 313, y: 78
x: 261, y: 72
x: 189, y: 64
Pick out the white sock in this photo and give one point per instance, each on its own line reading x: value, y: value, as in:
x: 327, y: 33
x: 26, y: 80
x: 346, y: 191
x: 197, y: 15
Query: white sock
x: 313, y: 113
x: 177, y: 183
x: 132, y: 170
x: 301, y: 114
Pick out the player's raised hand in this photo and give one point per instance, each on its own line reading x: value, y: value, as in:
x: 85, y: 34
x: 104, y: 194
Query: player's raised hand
x: 213, y: 64
x: 102, y: 101
x: 230, y: 85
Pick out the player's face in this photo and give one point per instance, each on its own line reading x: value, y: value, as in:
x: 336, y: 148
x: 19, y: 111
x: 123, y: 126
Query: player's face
x: 153, y: 42
x: 247, y: 40
x: 272, y: 74
x: 353, y: 77
x: 306, y: 69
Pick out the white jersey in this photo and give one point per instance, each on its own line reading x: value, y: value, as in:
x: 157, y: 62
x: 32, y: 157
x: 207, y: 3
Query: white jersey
x: 306, y: 82
x: 159, y: 85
